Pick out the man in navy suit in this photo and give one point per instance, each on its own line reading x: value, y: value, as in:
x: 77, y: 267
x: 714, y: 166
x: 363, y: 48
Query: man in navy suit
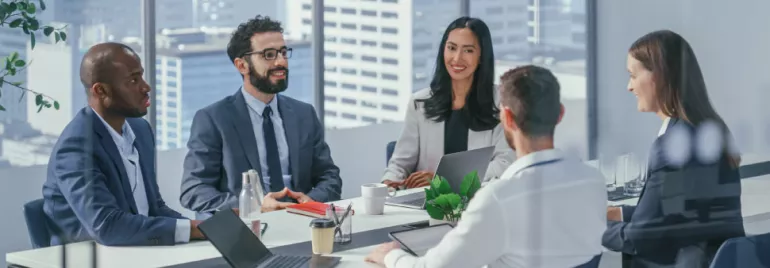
x: 257, y: 128
x: 101, y: 175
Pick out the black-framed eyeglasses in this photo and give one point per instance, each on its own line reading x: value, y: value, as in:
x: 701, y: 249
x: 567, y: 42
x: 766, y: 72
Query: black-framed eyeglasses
x: 272, y: 53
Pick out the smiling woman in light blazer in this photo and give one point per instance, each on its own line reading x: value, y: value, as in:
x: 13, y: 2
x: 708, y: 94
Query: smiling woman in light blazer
x: 457, y: 113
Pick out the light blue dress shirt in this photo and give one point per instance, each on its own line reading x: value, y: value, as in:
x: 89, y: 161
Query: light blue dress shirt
x: 256, y: 107
x: 130, y: 156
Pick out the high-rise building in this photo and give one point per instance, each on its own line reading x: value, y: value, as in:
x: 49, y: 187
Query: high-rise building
x: 377, y: 53
x: 230, y: 13
x: 194, y: 71
x: 550, y: 27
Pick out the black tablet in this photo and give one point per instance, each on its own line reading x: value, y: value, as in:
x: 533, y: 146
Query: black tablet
x: 418, y: 241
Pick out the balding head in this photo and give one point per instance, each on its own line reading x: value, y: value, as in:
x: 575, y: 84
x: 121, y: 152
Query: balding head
x: 98, y: 64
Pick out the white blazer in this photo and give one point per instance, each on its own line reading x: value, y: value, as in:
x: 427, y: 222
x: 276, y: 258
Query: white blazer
x: 421, y: 145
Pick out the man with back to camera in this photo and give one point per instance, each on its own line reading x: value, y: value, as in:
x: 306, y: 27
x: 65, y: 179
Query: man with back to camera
x: 101, y: 181
x: 257, y: 128
x: 547, y: 209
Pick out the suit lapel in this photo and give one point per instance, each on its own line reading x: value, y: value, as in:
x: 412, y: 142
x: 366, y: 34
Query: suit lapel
x: 105, y: 139
x: 245, y: 129
x: 291, y: 130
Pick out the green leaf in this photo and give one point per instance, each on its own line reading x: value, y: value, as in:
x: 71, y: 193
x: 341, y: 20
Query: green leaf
x: 47, y: 30
x: 14, y: 56
x: 25, y: 28
x: 18, y: 84
x: 19, y: 63
x: 12, y: 7
x: 38, y: 99
x: 445, y: 188
x: 436, y: 182
x: 32, y: 40
x: 22, y: 6
x: 42, y: 5
x: 429, y: 194
x: 454, y: 200
x: 40, y: 108
x: 57, y: 37
x: 16, y: 23
x: 434, y: 212
x: 56, y: 105
x: 63, y: 36
x: 34, y: 24
x: 31, y: 9
x: 470, y: 184
x: 2, y: 108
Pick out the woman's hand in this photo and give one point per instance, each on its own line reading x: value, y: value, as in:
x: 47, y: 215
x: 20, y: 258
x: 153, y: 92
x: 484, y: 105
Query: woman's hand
x: 418, y: 179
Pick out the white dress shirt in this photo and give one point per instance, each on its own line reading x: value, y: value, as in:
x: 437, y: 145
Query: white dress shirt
x: 546, y: 210
x: 130, y: 156
x: 256, y: 107
x: 664, y: 127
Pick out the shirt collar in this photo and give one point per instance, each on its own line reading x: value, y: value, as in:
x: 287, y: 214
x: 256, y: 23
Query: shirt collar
x: 257, y: 105
x: 532, y: 159
x: 127, y: 138
x: 664, y: 127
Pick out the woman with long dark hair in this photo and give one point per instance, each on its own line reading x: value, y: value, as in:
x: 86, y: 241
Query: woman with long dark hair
x: 456, y: 114
x: 689, y: 205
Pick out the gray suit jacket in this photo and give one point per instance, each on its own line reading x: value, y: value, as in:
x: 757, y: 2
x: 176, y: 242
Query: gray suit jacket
x: 421, y: 145
x: 222, y: 145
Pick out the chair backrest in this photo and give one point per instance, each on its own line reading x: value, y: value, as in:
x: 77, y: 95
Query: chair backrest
x: 37, y: 224
x: 750, y: 251
x: 389, y: 151
x: 593, y: 263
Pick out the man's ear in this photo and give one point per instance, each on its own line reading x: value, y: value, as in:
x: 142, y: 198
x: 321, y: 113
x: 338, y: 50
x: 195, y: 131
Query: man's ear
x: 561, y: 113
x: 508, y: 119
x: 242, y: 66
x: 100, y: 90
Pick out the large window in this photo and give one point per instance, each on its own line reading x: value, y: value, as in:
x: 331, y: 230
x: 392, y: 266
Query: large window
x: 27, y: 135
x: 542, y: 33
x: 192, y: 58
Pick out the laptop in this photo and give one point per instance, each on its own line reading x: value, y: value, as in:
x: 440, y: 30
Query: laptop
x: 453, y: 167
x: 242, y: 249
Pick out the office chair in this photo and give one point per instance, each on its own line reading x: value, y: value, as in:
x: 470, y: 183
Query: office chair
x: 37, y: 224
x: 389, y: 151
x: 750, y: 251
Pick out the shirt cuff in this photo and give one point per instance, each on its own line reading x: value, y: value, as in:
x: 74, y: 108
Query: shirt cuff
x: 182, y: 234
x: 621, y: 213
x: 392, y: 258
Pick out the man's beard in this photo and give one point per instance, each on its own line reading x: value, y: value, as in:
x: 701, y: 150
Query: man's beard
x: 263, y: 83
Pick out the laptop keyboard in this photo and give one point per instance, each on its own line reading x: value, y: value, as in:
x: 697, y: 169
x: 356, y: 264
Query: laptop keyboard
x: 287, y: 261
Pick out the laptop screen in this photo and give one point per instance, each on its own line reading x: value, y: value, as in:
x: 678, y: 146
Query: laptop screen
x: 237, y: 244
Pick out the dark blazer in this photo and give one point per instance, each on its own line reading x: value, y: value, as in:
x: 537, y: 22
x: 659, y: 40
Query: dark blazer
x: 222, y: 145
x: 685, y: 206
x: 87, y: 193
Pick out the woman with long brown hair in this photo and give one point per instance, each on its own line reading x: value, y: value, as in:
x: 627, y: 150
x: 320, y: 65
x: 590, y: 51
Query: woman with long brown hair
x: 690, y: 204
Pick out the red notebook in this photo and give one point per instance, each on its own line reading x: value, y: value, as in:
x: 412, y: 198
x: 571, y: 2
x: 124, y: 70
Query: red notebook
x: 314, y: 209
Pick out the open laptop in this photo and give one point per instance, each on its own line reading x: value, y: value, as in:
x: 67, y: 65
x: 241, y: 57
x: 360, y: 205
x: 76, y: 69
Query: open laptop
x: 242, y: 249
x: 453, y: 167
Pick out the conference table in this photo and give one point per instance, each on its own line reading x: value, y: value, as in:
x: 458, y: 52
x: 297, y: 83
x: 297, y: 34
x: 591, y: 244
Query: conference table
x: 290, y: 233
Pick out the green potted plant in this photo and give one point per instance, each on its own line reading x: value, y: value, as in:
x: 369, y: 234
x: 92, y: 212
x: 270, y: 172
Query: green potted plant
x: 444, y: 205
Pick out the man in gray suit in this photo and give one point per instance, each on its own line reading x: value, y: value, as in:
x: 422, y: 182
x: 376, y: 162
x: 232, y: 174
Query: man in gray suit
x: 257, y: 128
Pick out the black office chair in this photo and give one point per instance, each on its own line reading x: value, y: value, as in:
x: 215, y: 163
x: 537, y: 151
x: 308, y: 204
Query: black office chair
x: 750, y: 251
x: 389, y: 151
x: 37, y: 224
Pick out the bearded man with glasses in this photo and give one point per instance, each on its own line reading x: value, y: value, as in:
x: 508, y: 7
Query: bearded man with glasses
x: 258, y: 128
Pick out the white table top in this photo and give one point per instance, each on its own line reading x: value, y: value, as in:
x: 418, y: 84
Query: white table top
x: 286, y: 228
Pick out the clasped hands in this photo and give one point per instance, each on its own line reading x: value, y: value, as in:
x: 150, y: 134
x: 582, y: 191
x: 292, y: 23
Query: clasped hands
x: 415, y: 180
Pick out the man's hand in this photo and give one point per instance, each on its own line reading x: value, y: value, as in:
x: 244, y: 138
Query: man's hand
x: 614, y: 214
x: 271, y: 203
x: 418, y: 179
x: 300, y: 197
x: 378, y: 254
x: 195, y: 233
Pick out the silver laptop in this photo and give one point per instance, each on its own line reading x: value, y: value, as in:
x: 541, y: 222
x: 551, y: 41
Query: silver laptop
x: 453, y: 167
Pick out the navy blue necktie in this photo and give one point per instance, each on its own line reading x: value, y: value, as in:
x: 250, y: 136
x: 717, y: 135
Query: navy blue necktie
x: 271, y: 152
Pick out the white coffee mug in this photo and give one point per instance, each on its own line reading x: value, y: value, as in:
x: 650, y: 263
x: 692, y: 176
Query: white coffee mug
x: 374, y: 195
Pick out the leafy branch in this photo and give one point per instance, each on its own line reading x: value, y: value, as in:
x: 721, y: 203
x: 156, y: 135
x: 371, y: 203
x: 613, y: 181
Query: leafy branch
x: 20, y: 14
x: 444, y: 204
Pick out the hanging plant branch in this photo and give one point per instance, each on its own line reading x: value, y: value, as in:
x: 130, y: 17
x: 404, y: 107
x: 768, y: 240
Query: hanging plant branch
x: 20, y: 14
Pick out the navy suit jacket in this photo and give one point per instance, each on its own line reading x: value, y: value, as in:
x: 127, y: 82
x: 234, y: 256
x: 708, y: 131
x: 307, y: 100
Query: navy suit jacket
x: 87, y: 193
x: 691, y: 205
x: 222, y: 145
